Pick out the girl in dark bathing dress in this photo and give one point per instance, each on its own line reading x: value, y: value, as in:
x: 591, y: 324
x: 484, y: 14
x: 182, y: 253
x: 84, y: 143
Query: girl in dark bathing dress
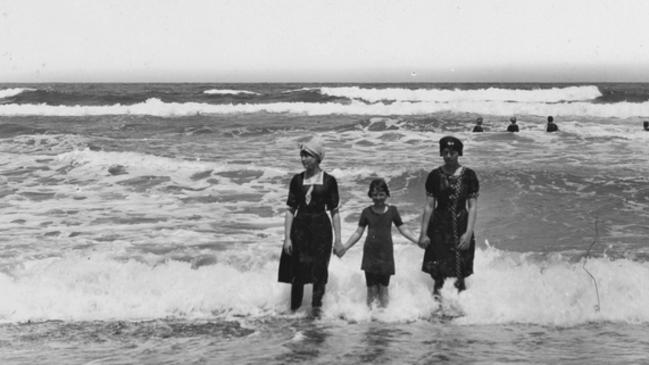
x: 378, y: 252
x: 449, y: 218
x: 308, y: 229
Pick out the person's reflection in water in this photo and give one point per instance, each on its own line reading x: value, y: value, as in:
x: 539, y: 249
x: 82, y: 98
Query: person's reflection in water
x: 308, y: 344
x: 377, y: 341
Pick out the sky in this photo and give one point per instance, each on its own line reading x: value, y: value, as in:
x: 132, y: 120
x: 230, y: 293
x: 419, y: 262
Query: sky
x: 324, y: 41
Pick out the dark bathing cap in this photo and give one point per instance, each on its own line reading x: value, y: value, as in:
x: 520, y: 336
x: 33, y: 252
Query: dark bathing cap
x: 451, y: 143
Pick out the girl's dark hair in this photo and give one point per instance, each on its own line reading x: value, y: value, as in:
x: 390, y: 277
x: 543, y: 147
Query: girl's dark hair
x: 379, y: 185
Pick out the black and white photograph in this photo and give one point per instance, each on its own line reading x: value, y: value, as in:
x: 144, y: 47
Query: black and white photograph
x: 324, y: 182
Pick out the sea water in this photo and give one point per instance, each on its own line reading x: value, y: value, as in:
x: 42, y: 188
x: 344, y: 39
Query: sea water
x: 142, y: 223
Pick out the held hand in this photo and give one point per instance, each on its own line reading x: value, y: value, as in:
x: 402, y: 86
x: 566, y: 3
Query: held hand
x: 288, y: 246
x: 424, y: 242
x: 465, y: 241
x: 338, y: 247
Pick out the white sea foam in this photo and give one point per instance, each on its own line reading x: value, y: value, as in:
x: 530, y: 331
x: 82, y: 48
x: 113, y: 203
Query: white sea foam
x: 300, y: 89
x: 95, y: 164
x: 229, y: 92
x: 156, y: 107
x: 551, y: 95
x: 7, y: 93
x: 507, y: 288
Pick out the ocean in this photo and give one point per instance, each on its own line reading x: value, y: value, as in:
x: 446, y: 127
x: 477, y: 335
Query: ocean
x: 142, y: 223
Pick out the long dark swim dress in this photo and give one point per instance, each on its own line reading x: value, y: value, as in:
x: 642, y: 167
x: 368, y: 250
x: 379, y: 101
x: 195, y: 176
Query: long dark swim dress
x: 311, y: 232
x: 378, y: 251
x: 449, y: 190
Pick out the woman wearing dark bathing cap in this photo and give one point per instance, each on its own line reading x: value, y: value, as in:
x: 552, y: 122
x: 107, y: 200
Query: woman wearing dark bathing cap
x: 449, y: 218
x: 307, y: 228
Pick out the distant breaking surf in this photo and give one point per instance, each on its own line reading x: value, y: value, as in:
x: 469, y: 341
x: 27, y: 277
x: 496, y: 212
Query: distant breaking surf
x: 156, y: 107
x: 7, y: 93
x: 552, y: 95
x: 229, y: 92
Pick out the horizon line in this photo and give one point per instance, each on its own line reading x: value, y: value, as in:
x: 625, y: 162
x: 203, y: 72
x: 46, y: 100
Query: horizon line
x: 323, y: 82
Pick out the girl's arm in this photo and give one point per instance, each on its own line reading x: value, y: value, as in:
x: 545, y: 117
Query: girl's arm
x: 465, y: 240
x: 424, y: 241
x: 407, y: 234
x: 352, y: 240
x: 288, y: 224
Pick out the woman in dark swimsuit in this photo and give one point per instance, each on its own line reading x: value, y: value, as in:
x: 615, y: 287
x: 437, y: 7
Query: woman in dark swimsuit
x: 307, y: 228
x: 449, y: 218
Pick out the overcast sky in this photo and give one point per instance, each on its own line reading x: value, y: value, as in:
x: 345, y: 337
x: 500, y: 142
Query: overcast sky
x: 317, y: 40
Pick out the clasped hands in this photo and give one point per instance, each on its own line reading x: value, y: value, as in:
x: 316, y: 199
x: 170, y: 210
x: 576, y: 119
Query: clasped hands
x: 424, y: 242
x: 339, y: 249
x: 465, y: 241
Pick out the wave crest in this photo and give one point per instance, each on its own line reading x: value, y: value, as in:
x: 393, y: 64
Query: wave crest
x: 156, y: 107
x: 7, y: 93
x: 507, y: 288
x: 551, y: 95
x: 229, y: 92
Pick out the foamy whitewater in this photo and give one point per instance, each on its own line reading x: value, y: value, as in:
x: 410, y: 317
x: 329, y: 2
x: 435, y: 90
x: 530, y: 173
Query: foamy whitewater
x: 142, y: 223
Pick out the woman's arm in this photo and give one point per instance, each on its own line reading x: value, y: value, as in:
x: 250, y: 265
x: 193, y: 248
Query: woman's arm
x: 335, y: 218
x: 424, y: 241
x: 288, y: 224
x: 465, y: 240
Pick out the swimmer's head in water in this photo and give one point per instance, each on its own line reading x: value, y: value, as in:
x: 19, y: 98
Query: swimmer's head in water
x: 550, y: 119
x: 512, y: 119
x: 451, y: 143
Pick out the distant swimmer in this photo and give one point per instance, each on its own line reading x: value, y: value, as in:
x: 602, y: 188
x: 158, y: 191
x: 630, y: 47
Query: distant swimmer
x: 478, y: 125
x: 645, y: 124
x: 513, y: 127
x: 552, y: 127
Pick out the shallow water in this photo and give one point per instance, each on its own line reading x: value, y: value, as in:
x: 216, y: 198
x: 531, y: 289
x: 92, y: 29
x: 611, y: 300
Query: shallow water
x: 304, y: 340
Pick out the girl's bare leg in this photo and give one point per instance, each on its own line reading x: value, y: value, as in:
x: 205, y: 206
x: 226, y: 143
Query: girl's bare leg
x: 384, y: 296
x: 372, y: 294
